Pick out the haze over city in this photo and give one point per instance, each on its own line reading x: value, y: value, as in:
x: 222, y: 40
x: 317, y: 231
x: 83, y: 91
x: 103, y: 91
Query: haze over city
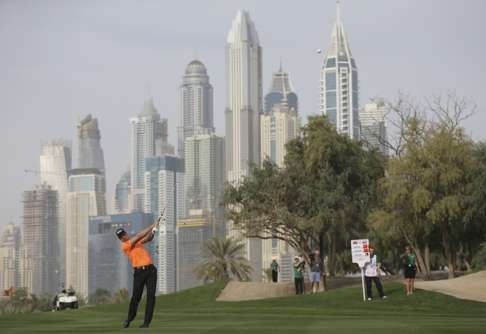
x: 61, y: 60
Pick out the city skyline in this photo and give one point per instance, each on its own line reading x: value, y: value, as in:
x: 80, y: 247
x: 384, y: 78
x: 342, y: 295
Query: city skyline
x: 67, y: 112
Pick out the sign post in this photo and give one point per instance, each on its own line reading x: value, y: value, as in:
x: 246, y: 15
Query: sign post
x: 360, y: 254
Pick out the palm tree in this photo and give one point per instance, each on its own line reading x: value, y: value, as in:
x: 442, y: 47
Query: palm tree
x: 223, y: 260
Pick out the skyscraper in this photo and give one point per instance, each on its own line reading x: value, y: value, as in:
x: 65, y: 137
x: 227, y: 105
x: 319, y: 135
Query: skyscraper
x: 164, y: 189
x: 86, y: 198
x: 90, y: 153
x: 204, y: 173
x: 9, y: 257
x: 339, y: 91
x: 373, y: 125
x: 40, y: 239
x: 244, y: 97
x: 242, y: 115
x: 195, y: 104
x: 55, y: 164
x: 122, y: 200
x: 281, y: 89
x: 280, y: 123
x: 148, y: 138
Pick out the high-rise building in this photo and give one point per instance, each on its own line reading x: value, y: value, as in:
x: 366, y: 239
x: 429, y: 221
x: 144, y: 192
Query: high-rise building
x: 90, y: 153
x: 278, y: 126
x: 195, y: 104
x: 109, y: 267
x: 339, y: 91
x: 40, y: 239
x: 373, y: 125
x: 242, y: 115
x: 55, y: 164
x: 148, y: 138
x: 192, y: 233
x: 204, y: 174
x: 85, y: 199
x: 280, y: 121
x: 10, y: 241
x: 281, y: 89
x: 122, y: 200
x: 164, y: 190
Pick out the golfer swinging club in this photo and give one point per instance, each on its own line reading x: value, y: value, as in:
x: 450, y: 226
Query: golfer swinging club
x: 144, y: 272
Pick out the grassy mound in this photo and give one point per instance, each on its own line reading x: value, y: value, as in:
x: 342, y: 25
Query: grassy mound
x: 336, y: 311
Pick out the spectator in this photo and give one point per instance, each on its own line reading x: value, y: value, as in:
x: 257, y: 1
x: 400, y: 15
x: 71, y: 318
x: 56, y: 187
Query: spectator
x: 299, y: 266
x: 316, y: 269
x: 275, y: 269
x: 409, y: 269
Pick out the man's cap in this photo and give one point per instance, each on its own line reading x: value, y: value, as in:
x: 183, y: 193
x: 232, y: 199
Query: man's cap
x: 120, y: 232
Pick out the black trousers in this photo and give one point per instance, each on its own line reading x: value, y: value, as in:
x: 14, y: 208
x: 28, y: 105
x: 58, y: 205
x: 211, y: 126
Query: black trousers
x: 299, y: 286
x: 368, y: 281
x: 143, y: 277
x: 274, y: 276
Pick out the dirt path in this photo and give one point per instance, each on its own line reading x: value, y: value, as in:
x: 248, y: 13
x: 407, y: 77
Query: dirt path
x: 471, y: 287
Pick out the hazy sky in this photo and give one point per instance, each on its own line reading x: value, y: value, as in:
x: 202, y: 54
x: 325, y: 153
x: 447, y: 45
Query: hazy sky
x: 60, y: 60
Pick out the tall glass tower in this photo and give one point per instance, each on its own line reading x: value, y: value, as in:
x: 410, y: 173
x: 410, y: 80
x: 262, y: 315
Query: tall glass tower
x: 196, y: 104
x: 339, y: 91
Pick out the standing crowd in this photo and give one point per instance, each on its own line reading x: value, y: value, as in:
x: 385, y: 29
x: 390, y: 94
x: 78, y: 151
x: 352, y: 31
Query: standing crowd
x: 372, y: 272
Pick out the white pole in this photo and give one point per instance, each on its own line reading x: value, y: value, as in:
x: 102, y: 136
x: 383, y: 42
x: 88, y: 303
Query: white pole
x: 362, y: 283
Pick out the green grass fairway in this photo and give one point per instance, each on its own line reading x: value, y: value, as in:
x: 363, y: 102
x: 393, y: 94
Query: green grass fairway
x: 336, y: 311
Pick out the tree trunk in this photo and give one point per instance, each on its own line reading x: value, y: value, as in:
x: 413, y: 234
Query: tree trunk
x: 448, y: 253
x: 421, y: 263
x: 427, y: 261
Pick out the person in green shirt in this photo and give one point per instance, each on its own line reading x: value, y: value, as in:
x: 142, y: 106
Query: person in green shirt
x: 299, y: 266
x: 275, y: 269
x: 409, y: 269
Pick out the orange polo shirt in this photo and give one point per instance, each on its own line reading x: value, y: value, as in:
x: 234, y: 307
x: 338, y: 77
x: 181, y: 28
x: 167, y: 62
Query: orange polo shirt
x: 137, y: 255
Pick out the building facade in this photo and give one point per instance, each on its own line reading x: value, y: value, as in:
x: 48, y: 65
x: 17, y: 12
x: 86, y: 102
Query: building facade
x: 90, y: 153
x: 148, y: 138
x: 109, y: 267
x: 195, y: 104
x: 10, y: 241
x: 164, y: 191
x: 55, y: 164
x: 373, y: 125
x: 204, y: 174
x: 122, y: 200
x: 85, y: 199
x: 242, y: 115
x: 40, y: 240
x: 339, y: 88
x: 192, y: 233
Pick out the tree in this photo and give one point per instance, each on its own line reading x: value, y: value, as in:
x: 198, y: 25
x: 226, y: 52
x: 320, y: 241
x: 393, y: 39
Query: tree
x: 318, y: 200
x: 223, y: 260
x: 429, y: 191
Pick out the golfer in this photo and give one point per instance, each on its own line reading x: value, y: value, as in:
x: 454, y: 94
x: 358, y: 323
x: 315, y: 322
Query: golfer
x: 316, y: 268
x: 409, y: 269
x: 144, y: 272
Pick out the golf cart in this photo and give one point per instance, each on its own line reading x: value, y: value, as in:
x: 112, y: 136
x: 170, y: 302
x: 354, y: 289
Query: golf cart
x: 66, y: 299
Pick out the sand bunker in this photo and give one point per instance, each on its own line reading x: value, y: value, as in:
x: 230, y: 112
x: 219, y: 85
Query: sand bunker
x: 471, y: 287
